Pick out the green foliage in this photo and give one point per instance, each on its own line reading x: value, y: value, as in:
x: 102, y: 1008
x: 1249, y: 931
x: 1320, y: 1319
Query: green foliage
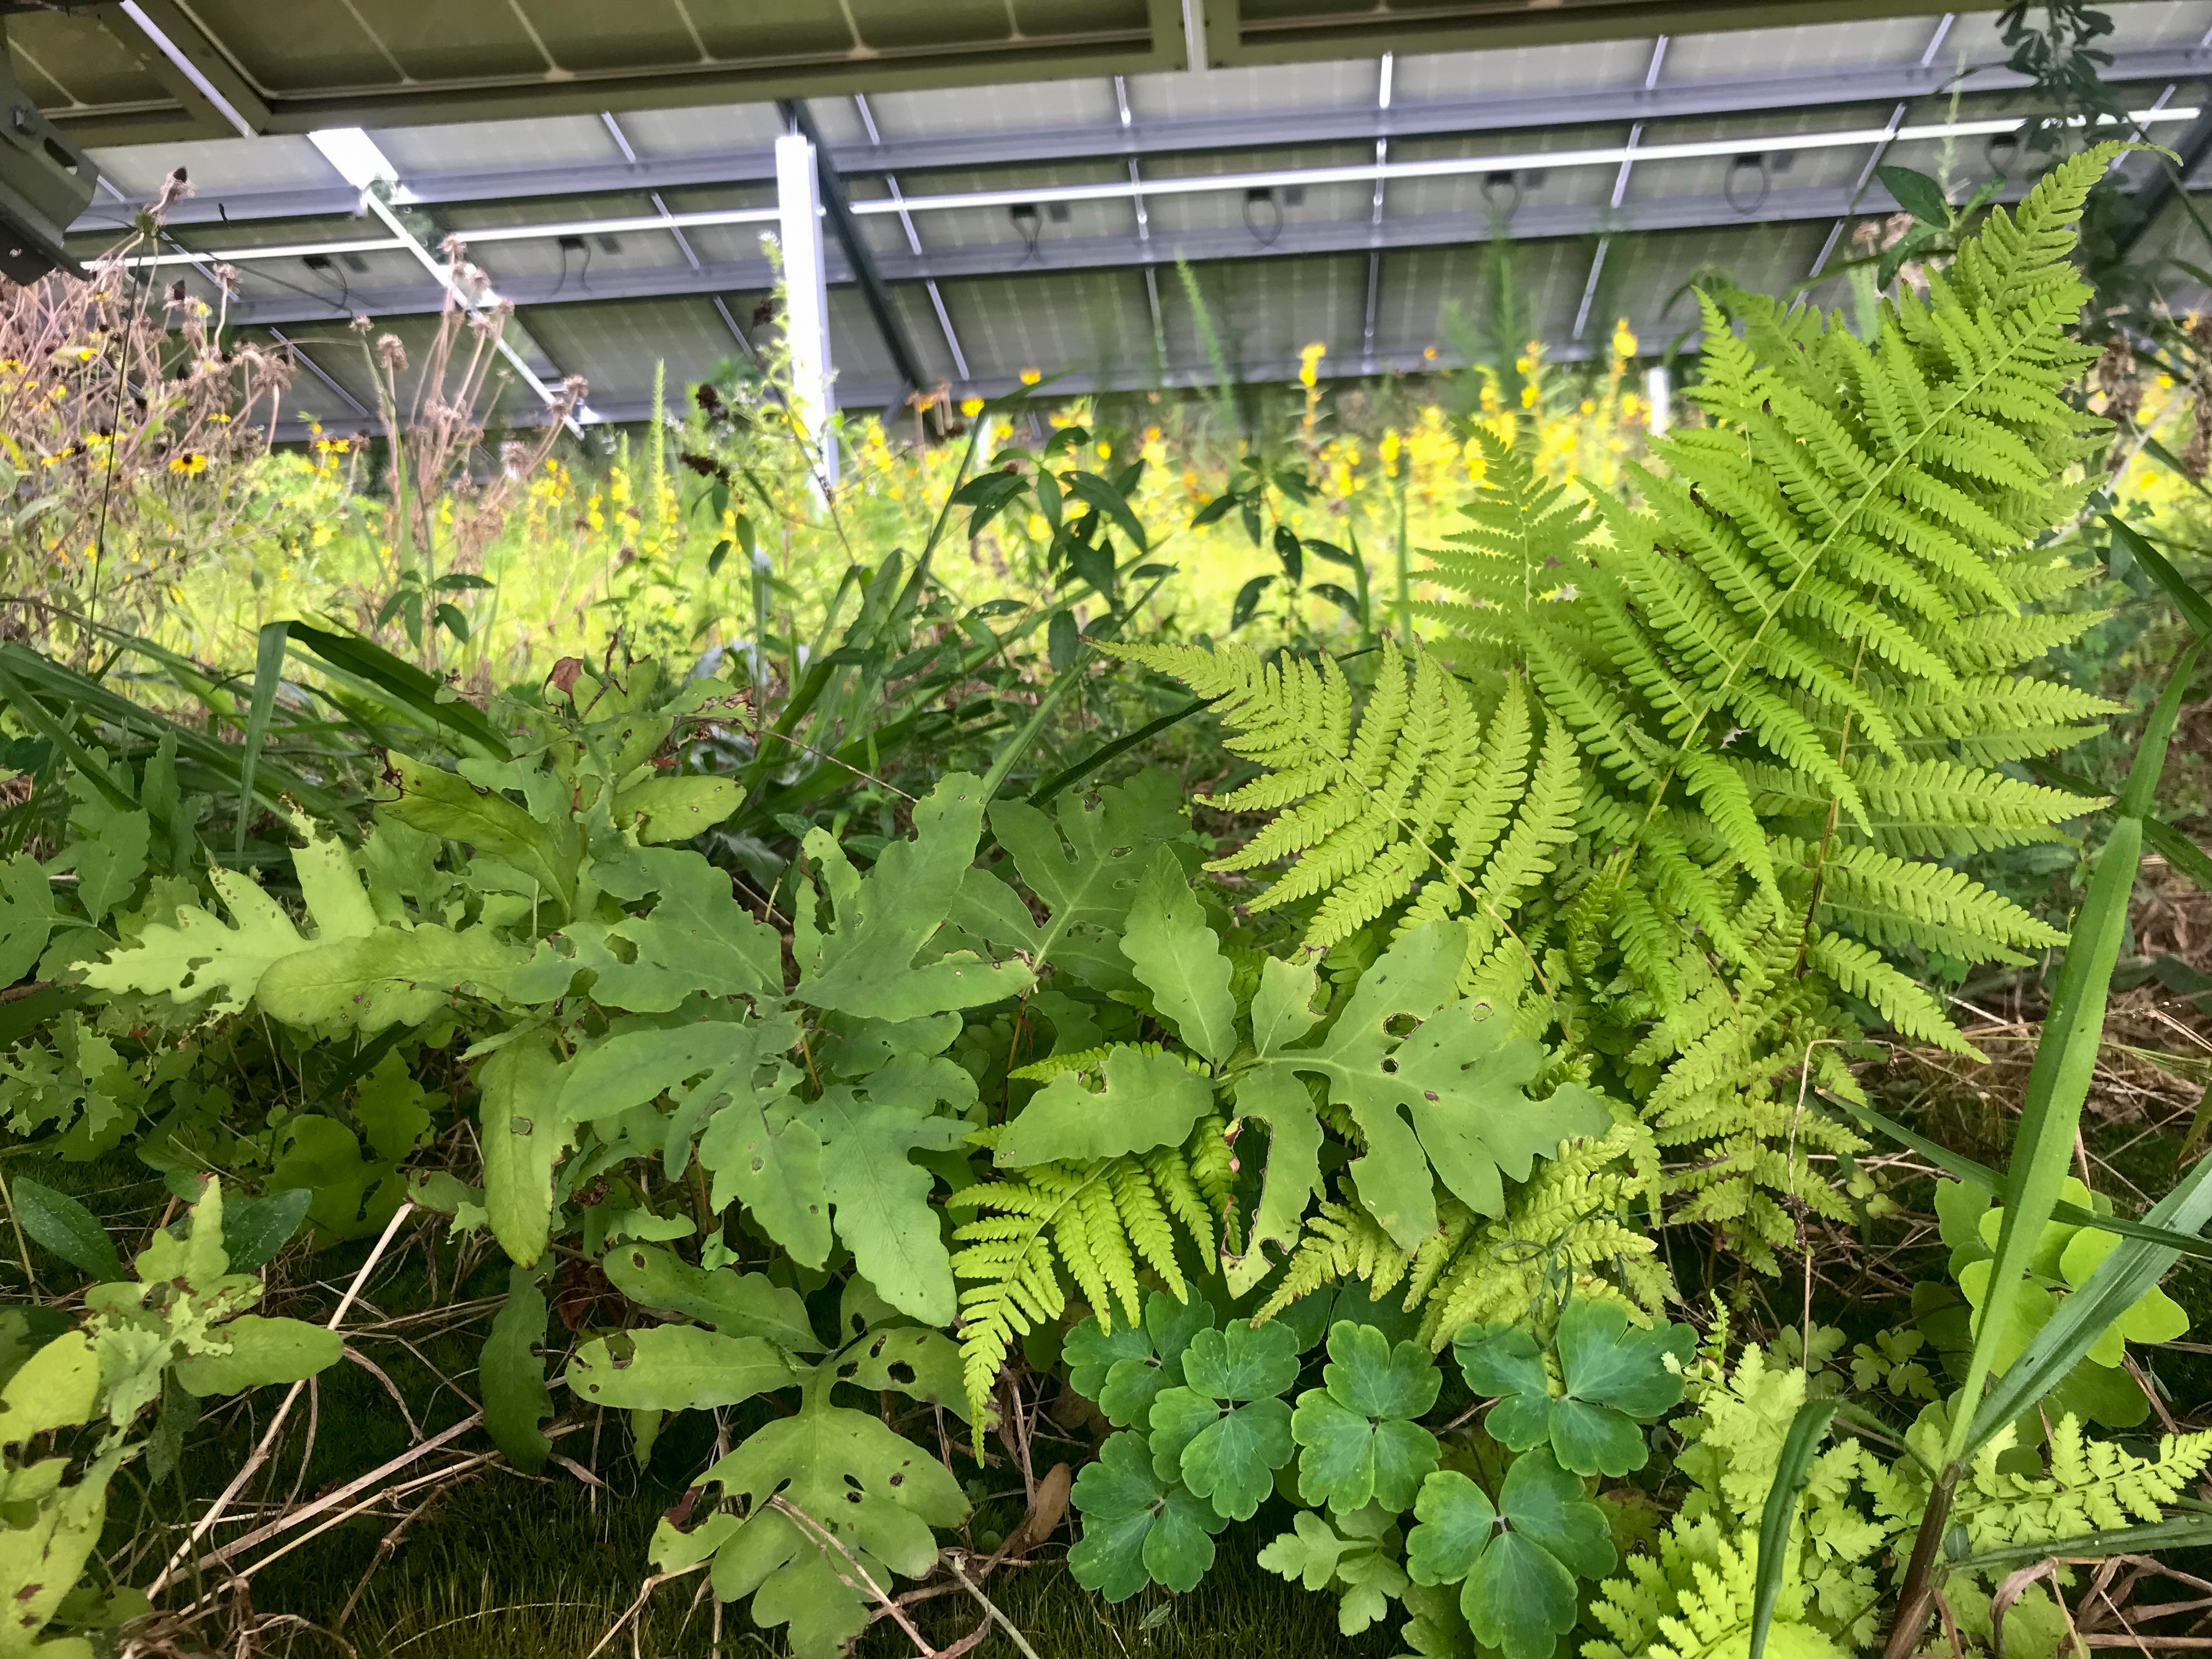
x: 1519, y: 1558
x: 1097, y: 1221
x: 1357, y: 1439
x: 1613, y: 1378
x: 1355, y: 1555
x: 1137, y: 1526
x: 1223, y: 1430
x: 1125, y: 1368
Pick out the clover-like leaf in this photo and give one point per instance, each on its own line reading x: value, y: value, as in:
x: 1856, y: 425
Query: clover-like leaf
x: 2154, y: 1317
x: 1224, y: 1431
x: 1137, y: 1526
x: 1125, y: 1369
x: 1519, y: 1558
x: 1614, y: 1377
x: 1360, y: 1445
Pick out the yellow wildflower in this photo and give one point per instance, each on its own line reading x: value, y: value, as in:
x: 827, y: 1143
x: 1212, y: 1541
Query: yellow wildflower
x: 971, y: 407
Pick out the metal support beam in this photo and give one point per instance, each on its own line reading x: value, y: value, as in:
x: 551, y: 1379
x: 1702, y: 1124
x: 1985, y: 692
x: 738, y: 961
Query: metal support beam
x: 806, y: 296
x: 859, y: 259
x: 914, y: 240
x: 1532, y: 222
x: 198, y: 74
x: 2164, y: 186
x: 1139, y: 137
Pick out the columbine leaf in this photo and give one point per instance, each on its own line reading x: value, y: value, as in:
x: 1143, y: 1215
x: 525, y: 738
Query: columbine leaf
x: 1138, y: 1526
x: 1179, y: 960
x: 1519, y: 1594
x: 1224, y: 1431
x: 1125, y: 1369
x: 1360, y: 1445
x: 1615, y: 1376
x: 1359, y: 1564
x: 1149, y: 1099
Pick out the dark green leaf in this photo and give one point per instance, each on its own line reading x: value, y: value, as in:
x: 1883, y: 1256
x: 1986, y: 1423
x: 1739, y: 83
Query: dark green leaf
x: 255, y: 1228
x: 1799, y: 1447
x: 1347, y: 602
x: 1137, y: 1526
x: 268, y: 674
x: 59, y: 1224
x: 2195, y: 608
x: 515, y: 1398
x: 1292, y: 555
x: 1248, y: 601
x: 1061, y: 641
x: 1215, y: 510
x: 460, y: 581
x: 1917, y: 194
x: 715, y: 559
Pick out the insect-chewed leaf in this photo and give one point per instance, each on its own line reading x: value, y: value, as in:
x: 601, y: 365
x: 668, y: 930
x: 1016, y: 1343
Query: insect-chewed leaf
x: 696, y: 939
x: 911, y: 1358
x: 393, y: 976
x: 864, y: 964
x: 880, y: 1198
x: 442, y: 803
x: 734, y: 1303
x: 512, y: 1374
x: 523, y: 1136
x: 1150, y: 1099
x: 256, y: 1351
x: 1179, y: 960
x: 854, y: 1479
x: 1138, y: 1527
x: 197, y: 954
x: 676, y: 809
x: 675, y: 1368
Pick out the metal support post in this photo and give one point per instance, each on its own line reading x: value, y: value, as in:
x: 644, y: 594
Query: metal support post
x: 806, y: 296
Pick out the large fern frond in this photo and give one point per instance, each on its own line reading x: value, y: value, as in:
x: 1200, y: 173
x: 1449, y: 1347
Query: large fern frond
x: 1102, y: 1223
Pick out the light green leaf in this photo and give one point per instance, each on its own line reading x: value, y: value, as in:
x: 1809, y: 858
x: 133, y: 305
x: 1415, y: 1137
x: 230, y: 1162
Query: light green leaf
x: 523, y: 1136
x: 911, y: 1358
x: 1275, y: 1096
x: 199, y: 954
x: 57, y: 1387
x: 734, y: 1303
x: 515, y: 1398
x: 1149, y: 1099
x: 259, y: 1351
x: 1086, y: 881
x: 109, y: 854
x: 1179, y: 960
x: 676, y: 809
x: 696, y: 939
x: 337, y: 901
x: 771, y: 1161
x: 675, y: 1368
x: 880, y: 1198
x: 393, y: 976
x: 445, y: 804
x: 865, y: 962
x: 878, y: 1494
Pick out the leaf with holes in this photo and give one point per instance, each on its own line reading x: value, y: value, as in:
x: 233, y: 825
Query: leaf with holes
x: 1147, y: 1099
x: 675, y: 1368
x: 860, y: 1488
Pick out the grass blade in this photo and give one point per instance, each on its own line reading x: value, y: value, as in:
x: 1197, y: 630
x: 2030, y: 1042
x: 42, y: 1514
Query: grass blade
x: 402, y: 682
x: 2175, y: 1532
x: 2065, y: 1058
x: 1799, y: 1447
x: 2195, y: 608
x: 268, y: 674
x: 2123, y: 1277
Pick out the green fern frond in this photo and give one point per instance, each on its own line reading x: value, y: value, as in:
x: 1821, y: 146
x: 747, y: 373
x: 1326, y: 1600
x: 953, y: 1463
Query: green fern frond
x: 1102, y: 1222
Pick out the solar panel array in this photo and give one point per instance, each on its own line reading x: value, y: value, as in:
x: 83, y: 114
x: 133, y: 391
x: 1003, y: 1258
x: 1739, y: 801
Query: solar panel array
x: 1025, y: 201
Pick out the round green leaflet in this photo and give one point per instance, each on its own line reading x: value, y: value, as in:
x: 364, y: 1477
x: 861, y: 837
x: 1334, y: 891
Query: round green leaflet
x: 1125, y: 1369
x: 1360, y: 1445
x: 1519, y: 1558
x: 1137, y: 1526
x: 1224, y: 1431
x: 1615, y: 1377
